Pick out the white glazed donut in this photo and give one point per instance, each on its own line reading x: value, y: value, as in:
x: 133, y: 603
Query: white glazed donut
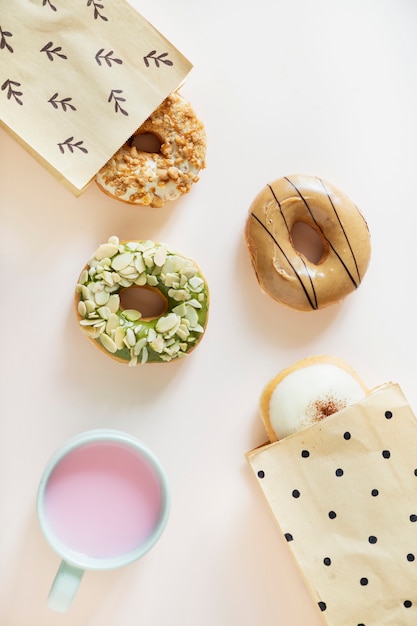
x: 307, y: 392
x: 125, y: 334
x: 152, y: 178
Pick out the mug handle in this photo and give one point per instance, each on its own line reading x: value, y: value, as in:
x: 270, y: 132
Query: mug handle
x: 64, y: 587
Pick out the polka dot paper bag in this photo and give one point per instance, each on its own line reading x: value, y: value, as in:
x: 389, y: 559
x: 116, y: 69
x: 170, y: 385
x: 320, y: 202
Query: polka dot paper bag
x: 344, y: 494
x: 78, y: 77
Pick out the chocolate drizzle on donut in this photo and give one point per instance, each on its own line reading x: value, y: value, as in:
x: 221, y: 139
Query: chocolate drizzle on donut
x: 324, y: 236
x: 287, y: 272
x: 311, y: 299
x: 346, y: 237
x: 312, y: 304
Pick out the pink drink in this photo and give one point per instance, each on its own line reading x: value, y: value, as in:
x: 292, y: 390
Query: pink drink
x: 103, y: 499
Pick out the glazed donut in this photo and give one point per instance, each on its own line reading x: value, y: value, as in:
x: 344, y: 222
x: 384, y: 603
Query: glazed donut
x: 285, y: 273
x: 307, y: 392
x: 123, y: 333
x: 151, y: 178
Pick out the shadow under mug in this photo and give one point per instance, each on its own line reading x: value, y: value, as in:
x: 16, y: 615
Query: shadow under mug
x: 103, y: 502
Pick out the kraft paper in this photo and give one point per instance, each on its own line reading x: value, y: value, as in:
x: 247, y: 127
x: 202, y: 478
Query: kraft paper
x: 78, y: 78
x: 344, y: 494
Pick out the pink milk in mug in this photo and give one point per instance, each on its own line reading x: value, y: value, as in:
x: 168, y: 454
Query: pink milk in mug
x: 103, y: 502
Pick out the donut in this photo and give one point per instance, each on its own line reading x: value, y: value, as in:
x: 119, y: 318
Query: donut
x: 285, y: 273
x: 307, y: 392
x: 151, y: 179
x: 117, y: 268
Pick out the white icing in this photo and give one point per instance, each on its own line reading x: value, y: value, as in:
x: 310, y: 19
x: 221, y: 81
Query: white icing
x: 293, y: 402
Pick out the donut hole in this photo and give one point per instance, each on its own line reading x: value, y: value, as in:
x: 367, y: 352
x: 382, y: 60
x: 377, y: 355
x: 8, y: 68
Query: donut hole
x: 150, y: 302
x: 146, y: 142
x: 308, y: 242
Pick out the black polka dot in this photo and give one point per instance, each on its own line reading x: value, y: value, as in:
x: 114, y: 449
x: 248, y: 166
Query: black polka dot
x: 347, y: 435
x: 361, y: 624
x: 305, y: 454
x: 388, y: 415
x: 364, y: 582
x: 413, y: 518
x: 374, y: 492
x: 408, y: 604
x: 296, y: 493
x: 372, y: 539
x: 332, y: 514
x: 339, y: 471
x: 386, y: 454
x: 415, y: 472
x: 327, y: 561
x: 322, y: 606
x: 289, y: 537
x: 261, y: 474
x: 410, y: 557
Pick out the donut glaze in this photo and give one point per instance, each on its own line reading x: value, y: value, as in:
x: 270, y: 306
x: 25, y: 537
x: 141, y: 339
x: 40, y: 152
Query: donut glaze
x: 125, y: 334
x: 286, y: 274
x: 307, y: 392
x: 152, y: 178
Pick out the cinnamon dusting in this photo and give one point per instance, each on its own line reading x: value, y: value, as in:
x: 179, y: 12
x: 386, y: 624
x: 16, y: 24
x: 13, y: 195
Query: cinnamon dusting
x: 321, y: 408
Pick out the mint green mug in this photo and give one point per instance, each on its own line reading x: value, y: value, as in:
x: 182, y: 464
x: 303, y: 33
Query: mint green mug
x: 103, y: 502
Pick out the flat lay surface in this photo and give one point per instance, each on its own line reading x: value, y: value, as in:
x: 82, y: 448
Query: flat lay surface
x: 325, y: 89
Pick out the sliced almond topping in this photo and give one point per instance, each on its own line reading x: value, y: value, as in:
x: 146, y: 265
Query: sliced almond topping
x: 82, y: 309
x: 101, y: 297
x: 167, y: 323
x: 114, y: 303
x: 121, y: 261
x: 119, y: 335
x: 108, y: 343
x: 130, y: 337
x: 139, y: 264
x: 160, y: 256
x: 83, y: 277
x: 132, y: 315
x: 112, y: 323
x: 106, y: 250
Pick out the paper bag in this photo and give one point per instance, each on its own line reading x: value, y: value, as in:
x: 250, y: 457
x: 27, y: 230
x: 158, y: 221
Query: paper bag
x: 77, y: 78
x: 344, y: 494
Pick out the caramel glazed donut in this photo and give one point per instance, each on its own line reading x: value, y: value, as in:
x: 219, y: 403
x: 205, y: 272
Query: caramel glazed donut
x: 307, y: 392
x: 123, y: 333
x: 152, y: 178
x: 286, y: 274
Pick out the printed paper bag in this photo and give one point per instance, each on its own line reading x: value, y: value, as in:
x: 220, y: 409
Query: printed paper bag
x: 344, y: 494
x: 78, y: 77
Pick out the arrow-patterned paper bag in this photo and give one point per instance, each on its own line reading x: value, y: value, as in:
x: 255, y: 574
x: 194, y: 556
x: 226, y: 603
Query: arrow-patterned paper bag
x: 78, y: 77
x: 344, y: 494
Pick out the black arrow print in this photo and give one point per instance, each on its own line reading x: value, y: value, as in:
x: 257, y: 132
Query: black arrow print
x: 109, y: 59
x: 65, y: 103
x: 117, y: 99
x: 3, y: 40
x: 70, y: 145
x: 11, y: 92
x: 54, y: 51
x: 48, y: 3
x: 97, y: 6
x: 157, y: 60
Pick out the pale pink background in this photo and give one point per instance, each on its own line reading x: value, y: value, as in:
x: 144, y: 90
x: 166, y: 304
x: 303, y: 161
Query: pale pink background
x: 325, y: 87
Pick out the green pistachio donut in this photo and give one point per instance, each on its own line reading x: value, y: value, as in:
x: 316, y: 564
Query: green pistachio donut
x: 123, y: 333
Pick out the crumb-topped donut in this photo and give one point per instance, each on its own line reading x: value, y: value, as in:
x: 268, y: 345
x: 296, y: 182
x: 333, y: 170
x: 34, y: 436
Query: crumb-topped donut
x: 285, y: 273
x: 151, y: 178
x: 125, y: 334
x: 307, y: 392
